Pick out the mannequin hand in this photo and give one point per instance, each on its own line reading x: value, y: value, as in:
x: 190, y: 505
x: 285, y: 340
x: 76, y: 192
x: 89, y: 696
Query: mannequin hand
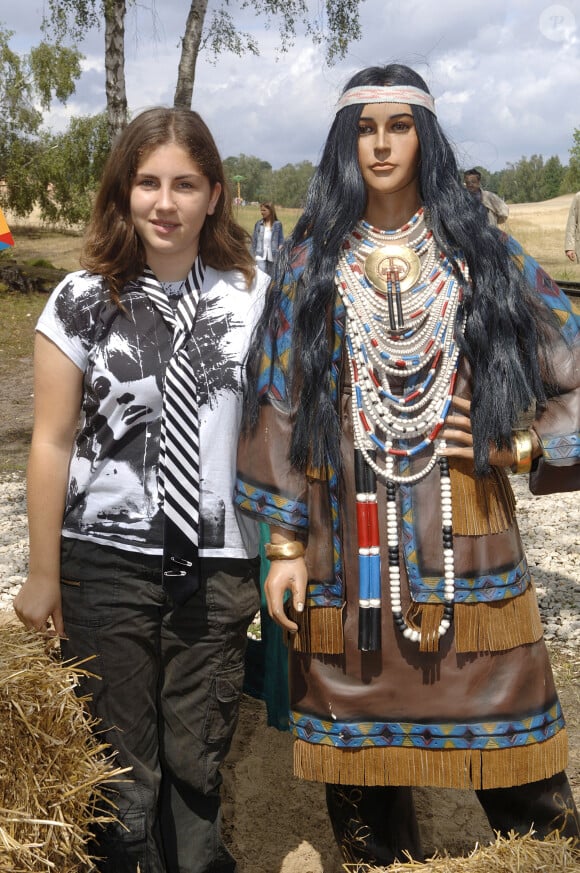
x: 285, y: 576
x: 38, y: 601
x: 457, y: 430
x: 457, y: 433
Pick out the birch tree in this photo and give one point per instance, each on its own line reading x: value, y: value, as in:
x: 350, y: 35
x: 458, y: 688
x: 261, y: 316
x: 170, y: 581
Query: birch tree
x: 213, y: 30
x: 71, y: 19
x: 334, y: 24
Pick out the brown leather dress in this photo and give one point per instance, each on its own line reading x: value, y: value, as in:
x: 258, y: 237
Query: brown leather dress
x: 476, y: 709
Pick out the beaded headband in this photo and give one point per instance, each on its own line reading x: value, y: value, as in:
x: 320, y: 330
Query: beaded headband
x: 387, y: 94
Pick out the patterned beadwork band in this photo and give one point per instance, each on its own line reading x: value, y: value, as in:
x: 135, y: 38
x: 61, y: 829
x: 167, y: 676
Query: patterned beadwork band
x: 387, y: 94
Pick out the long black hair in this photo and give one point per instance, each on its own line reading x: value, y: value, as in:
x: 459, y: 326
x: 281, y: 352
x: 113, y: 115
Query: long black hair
x: 504, y: 329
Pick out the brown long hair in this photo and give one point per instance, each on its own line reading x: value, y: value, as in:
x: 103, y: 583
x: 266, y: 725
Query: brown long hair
x: 111, y: 246
x: 271, y: 208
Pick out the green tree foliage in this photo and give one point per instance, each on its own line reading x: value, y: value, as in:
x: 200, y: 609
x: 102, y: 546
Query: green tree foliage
x: 69, y: 168
x: 529, y: 180
x: 71, y: 19
x: 522, y: 182
x: 572, y: 174
x: 552, y: 178
x: 335, y: 25
x: 284, y: 187
x: 291, y: 183
x: 256, y: 183
x: 26, y: 83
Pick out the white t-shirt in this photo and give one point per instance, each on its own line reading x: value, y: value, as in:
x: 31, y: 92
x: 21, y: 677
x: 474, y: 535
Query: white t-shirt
x: 268, y: 243
x: 112, y: 492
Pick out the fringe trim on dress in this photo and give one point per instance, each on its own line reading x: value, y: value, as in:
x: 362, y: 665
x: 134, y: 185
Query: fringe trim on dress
x: 479, y: 627
x: 320, y: 630
x: 447, y: 768
x: 498, y: 626
x: 481, y: 506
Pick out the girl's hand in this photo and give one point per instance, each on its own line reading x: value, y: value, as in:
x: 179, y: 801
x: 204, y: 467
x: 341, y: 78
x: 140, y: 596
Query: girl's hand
x: 285, y: 576
x: 36, y: 603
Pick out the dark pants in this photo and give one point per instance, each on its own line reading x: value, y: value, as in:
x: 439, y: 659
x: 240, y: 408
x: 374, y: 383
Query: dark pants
x: 166, y: 690
x: 377, y: 825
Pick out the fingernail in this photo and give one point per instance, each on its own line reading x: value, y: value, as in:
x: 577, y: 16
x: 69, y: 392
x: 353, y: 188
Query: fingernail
x: 299, y: 607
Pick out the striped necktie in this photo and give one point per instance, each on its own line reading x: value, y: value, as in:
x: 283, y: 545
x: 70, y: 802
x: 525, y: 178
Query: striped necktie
x: 178, y: 484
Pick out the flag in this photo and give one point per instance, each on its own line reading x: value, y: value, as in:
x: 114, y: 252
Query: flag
x: 6, y: 238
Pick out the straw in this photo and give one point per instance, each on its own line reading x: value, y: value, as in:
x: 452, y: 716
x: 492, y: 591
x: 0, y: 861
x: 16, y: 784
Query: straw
x: 512, y: 854
x: 52, y: 767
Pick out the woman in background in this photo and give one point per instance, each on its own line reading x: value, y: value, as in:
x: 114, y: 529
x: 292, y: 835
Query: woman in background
x: 267, y: 238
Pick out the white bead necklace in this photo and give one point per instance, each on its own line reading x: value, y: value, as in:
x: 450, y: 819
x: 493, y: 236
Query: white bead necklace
x: 396, y: 333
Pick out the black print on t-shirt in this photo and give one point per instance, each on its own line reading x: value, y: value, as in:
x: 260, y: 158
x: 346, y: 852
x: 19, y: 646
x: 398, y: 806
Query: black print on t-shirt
x: 123, y: 353
x: 216, y: 371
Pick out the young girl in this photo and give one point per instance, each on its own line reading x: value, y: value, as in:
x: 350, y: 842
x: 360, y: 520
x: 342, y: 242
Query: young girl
x: 137, y: 555
x: 267, y: 238
x: 405, y: 358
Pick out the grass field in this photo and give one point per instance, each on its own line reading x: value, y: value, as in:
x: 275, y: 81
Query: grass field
x: 538, y: 226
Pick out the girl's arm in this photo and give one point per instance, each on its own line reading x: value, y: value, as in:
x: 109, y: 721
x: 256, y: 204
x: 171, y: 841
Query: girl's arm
x: 57, y: 399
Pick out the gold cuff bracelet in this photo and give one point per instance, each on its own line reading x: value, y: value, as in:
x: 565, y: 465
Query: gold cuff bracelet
x: 522, y: 444
x: 284, y: 551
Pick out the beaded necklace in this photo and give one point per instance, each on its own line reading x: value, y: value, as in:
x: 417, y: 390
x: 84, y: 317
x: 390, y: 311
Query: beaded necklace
x: 402, y: 300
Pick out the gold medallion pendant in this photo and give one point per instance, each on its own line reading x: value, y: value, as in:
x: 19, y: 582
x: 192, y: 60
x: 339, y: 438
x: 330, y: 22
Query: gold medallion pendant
x: 392, y: 264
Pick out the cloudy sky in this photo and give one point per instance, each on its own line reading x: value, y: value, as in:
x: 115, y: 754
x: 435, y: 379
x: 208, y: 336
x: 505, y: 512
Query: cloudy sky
x: 505, y: 75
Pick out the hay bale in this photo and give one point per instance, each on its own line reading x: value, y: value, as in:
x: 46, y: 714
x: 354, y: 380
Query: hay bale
x: 513, y: 854
x: 52, y: 769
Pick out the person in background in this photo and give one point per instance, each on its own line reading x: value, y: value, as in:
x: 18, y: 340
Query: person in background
x: 572, y: 237
x: 497, y: 210
x: 407, y: 357
x: 267, y: 238
x: 137, y: 555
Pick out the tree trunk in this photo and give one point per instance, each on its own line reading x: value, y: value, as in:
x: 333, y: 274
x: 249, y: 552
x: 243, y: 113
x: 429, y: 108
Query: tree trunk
x: 189, y: 52
x: 115, y: 11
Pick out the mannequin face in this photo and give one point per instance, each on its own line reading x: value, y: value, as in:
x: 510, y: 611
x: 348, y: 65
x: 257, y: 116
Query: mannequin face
x: 388, y: 149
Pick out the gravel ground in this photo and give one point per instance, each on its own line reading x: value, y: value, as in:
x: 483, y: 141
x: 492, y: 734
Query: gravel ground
x: 549, y: 527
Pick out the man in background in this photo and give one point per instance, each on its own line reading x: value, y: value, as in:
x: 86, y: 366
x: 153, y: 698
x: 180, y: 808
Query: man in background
x: 572, y: 238
x: 497, y: 210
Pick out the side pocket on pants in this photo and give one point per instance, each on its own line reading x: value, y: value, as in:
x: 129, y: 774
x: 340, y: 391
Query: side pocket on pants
x: 224, y: 705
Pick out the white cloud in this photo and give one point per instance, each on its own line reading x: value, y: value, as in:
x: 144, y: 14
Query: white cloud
x: 505, y: 75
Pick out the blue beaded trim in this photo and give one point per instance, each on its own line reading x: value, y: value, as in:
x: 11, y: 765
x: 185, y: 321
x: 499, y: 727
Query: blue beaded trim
x: 483, y: 735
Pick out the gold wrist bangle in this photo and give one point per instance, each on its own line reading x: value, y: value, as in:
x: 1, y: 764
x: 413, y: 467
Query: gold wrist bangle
x: 522, y: 444
x: 284, y: 551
